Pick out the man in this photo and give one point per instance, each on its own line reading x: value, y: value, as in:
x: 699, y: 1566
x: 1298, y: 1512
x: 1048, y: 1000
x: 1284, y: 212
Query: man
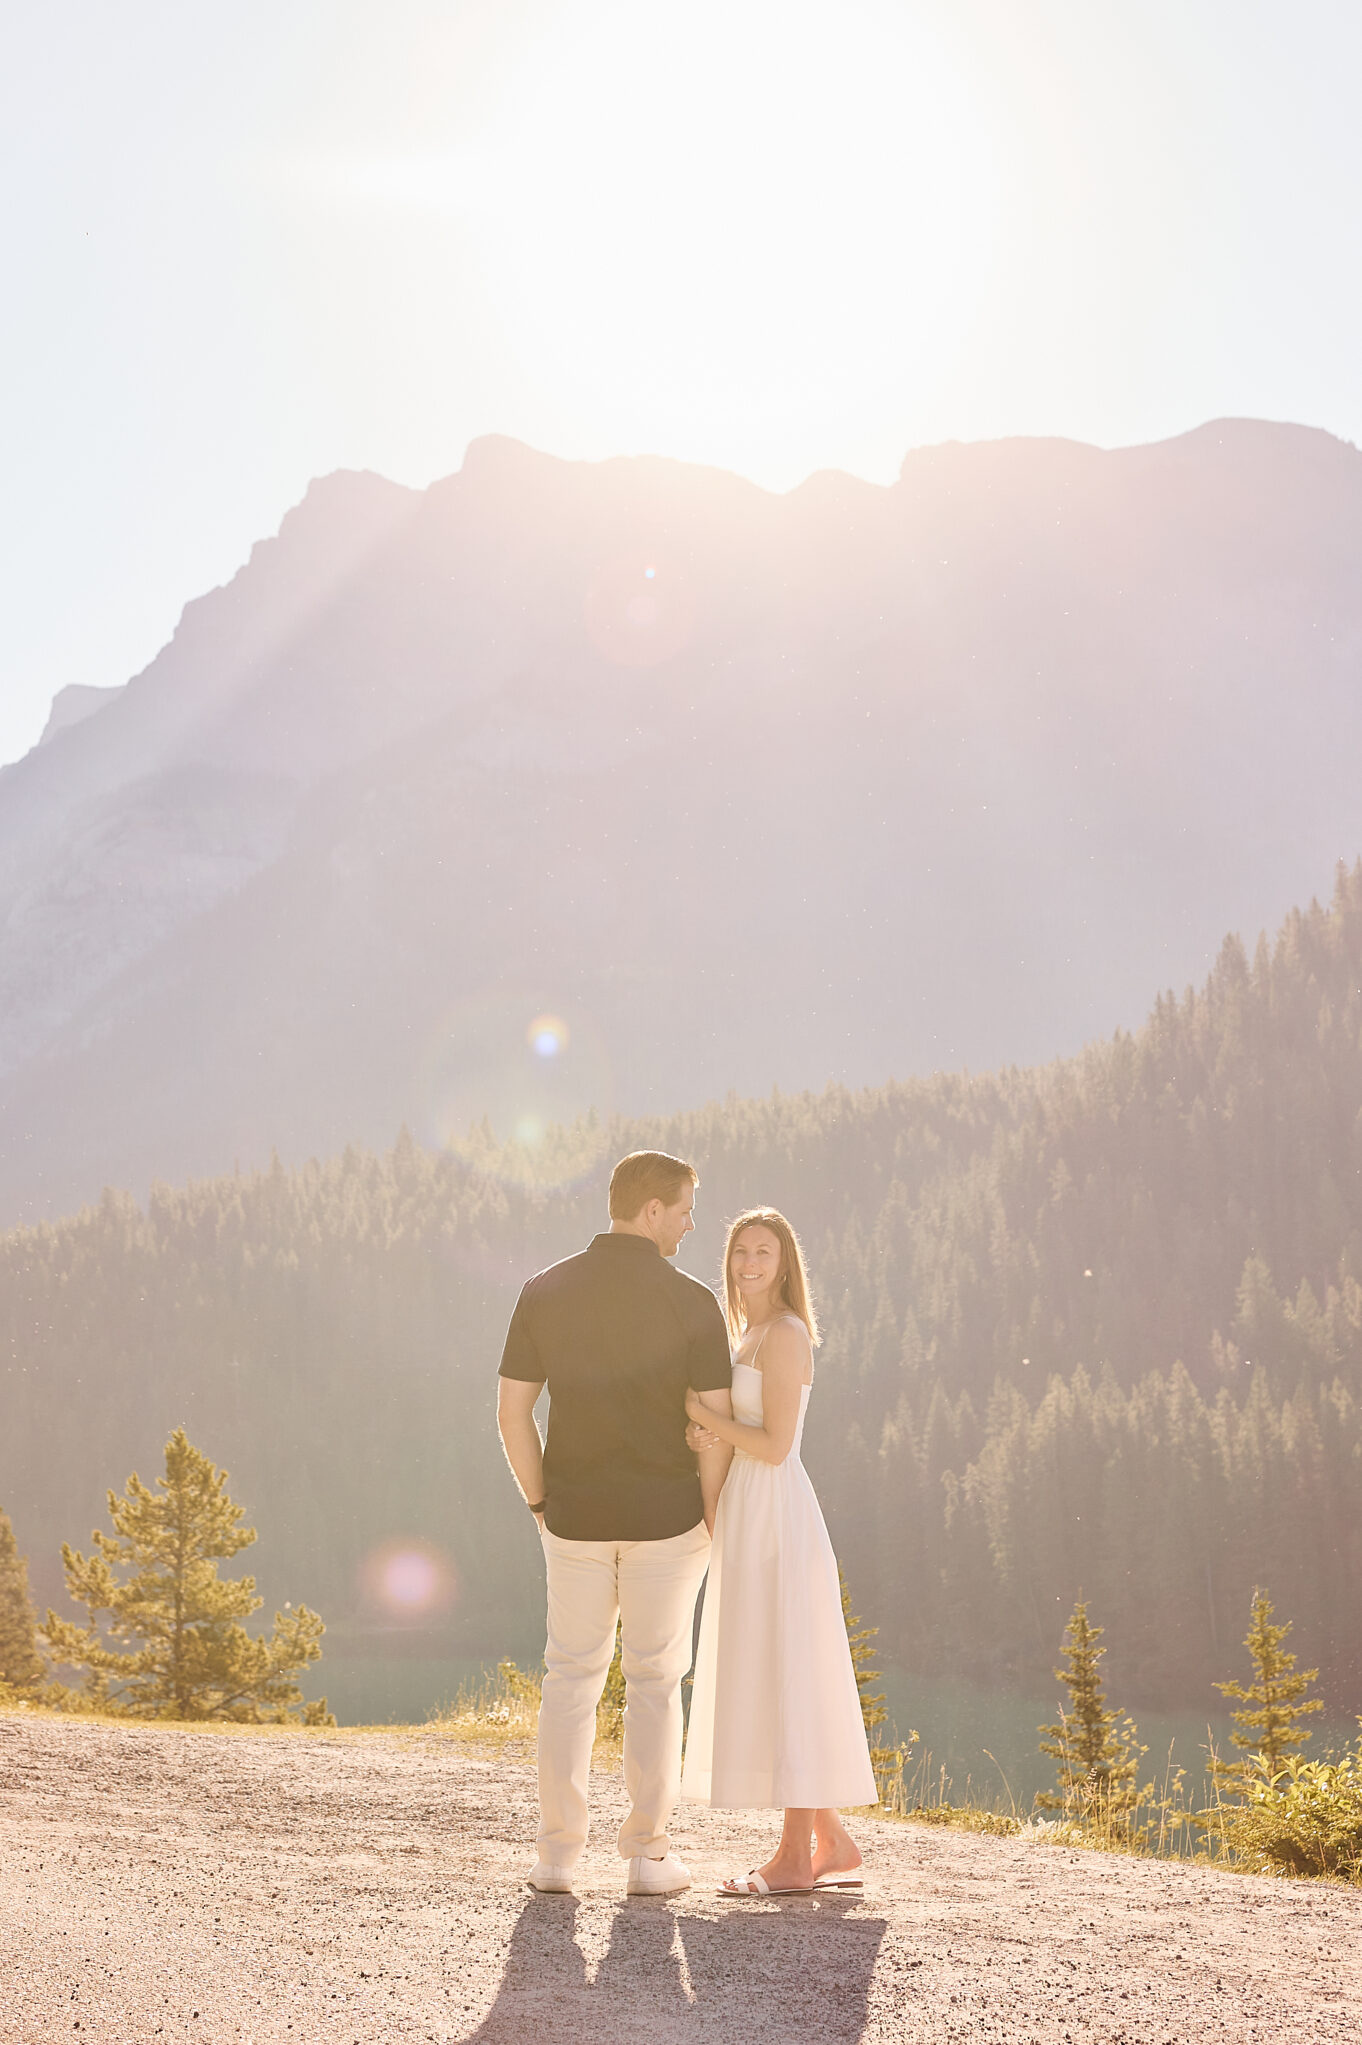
x: 625, y: 1516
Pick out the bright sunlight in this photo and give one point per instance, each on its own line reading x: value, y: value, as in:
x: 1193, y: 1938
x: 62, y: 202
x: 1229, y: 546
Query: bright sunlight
x: 697, y: 238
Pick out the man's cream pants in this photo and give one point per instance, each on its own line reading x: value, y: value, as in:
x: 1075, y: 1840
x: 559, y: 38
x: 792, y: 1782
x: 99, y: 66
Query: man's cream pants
x: 651, y: 1587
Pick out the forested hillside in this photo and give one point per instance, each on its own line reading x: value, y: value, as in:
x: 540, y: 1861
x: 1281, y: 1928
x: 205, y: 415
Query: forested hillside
x: 1095, y: 1325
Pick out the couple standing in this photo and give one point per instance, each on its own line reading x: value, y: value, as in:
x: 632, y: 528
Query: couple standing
x: 627, y: 1496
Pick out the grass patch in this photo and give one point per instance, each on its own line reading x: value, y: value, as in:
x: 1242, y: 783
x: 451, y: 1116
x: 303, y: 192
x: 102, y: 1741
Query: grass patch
x: 964, y: 1818
x: 500, y: 1710
x: 59, y: 1705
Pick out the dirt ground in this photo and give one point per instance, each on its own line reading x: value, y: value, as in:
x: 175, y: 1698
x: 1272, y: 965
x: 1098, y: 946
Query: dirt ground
x: 354, y: 1888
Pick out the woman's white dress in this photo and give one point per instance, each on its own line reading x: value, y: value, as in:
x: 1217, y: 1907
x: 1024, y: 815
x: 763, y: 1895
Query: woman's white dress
x: 775, y: 1717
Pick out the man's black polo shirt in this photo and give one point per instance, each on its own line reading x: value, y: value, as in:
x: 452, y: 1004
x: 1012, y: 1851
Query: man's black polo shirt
x: 617, y: 1333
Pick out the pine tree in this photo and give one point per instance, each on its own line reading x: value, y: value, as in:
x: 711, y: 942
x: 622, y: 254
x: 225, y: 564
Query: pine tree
x: 21, y: 1666
x: 1097, y: 1748
x: 886, y: 1761
x: 157, y: 1579
x: 859, y: 1638
x: 1274, y: 1703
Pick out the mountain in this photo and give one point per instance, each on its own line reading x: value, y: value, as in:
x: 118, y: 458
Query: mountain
x: 565, y: 786
x: 1094, y: 1327
x: 74, y: 703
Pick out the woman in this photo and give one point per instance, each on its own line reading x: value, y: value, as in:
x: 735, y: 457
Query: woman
x: 775, y: 1717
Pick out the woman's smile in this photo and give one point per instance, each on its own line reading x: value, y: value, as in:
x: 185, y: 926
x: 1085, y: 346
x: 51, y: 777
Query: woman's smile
x: 756, y: 1260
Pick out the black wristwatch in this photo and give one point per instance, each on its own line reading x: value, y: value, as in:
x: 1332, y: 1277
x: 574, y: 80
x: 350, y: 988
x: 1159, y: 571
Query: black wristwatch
x: 537, y: 1509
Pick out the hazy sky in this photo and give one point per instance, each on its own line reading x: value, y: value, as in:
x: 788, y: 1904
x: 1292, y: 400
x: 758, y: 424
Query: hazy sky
x: 246, y: 245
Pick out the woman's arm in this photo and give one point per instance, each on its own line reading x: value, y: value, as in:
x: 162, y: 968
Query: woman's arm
x: 714, y: 1461
x: 784, y: 1362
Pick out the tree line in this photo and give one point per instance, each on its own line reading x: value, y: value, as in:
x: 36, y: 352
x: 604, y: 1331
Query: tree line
x: 1096, y: 1324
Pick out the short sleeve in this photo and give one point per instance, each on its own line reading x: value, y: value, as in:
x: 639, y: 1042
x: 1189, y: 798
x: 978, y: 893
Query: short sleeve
x: 710, y: 1365
x: 520, y: 1358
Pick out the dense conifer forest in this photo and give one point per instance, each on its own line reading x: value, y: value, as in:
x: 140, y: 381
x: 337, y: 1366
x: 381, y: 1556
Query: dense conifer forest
x: 1092, y: 1328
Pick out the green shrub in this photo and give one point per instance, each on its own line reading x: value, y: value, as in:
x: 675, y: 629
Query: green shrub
x: 1306, y: 1819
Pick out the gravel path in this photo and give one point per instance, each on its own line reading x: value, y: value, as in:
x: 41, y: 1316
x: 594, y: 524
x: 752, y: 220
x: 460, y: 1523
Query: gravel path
x: 354, y: 1888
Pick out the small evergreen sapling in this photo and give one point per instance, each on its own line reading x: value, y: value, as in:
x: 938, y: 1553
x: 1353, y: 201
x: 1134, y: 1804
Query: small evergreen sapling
x: 1097, y: 1749
x: 21, y: 1665
x: 181, y: 1650
x: 859, y: 1640
x: 887, y: 1761
x: 1274, y: 1702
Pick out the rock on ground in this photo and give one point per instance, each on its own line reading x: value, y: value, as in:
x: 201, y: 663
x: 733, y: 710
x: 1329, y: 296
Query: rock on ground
x: 355, y: 1888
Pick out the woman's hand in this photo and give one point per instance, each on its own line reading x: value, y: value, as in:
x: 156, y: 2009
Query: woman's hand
x: 698, y: 1434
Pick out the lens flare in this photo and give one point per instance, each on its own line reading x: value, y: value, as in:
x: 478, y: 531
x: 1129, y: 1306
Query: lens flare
x: 518, y: 1081
x: 408, y: 1579
x: 638, y: 611
x: 547, y: 1035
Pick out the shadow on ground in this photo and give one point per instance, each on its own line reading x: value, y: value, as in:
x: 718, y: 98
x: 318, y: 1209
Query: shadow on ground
x: 800, y: 1968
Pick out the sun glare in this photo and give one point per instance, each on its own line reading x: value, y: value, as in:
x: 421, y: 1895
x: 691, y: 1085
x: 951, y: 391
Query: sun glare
x: 696, y: 229
x: 725, y: 218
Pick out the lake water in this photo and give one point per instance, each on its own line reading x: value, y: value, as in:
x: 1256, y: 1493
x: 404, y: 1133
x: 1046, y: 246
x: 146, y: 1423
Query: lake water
x: 986, y: 1740
x: 401, y: 1688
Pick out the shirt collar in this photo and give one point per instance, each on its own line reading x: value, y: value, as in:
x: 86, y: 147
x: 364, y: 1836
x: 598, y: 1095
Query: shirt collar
x: 634, y: 1243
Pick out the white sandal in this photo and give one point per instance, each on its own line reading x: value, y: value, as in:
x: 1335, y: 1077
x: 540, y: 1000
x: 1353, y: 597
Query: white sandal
x: 757, y: 1885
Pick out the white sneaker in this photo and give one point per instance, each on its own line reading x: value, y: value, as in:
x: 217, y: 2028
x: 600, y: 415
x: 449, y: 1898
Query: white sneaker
x: 665, y: 1877
x: 554, y: 1881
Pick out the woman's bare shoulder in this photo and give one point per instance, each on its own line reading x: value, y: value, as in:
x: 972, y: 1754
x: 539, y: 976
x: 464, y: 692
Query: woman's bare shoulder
x: 786, y: 1343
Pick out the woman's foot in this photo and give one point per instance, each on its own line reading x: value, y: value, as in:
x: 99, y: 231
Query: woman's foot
x: 835, y: 1852
x: 781, y: 1871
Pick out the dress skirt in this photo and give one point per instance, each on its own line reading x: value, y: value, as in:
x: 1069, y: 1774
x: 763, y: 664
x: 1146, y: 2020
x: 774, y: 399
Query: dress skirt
x: 775, y: 1716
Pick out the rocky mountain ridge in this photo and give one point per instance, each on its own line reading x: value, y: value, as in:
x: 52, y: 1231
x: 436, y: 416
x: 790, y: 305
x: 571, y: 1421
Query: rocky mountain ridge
x: 732, y: 788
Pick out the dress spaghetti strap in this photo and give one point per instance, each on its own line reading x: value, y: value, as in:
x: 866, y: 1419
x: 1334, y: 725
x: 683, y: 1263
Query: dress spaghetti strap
x: 752, y: 1360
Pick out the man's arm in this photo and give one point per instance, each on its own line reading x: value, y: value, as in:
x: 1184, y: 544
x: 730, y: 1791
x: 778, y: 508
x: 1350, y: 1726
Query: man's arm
x: 520, y: 1437
x: 714, y: 1462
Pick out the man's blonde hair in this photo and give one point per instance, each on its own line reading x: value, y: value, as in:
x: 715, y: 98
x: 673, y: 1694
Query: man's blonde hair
x: 793, y: 1289
x: 648, y: 1175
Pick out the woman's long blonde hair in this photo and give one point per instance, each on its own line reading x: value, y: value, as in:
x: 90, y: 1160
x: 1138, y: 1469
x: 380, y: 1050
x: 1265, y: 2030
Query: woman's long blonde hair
x: 794, y: 1279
